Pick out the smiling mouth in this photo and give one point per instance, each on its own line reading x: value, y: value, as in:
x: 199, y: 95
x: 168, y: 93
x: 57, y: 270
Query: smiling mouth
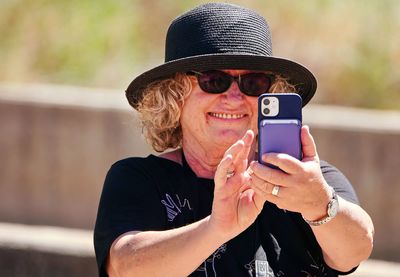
x: 227, y: 116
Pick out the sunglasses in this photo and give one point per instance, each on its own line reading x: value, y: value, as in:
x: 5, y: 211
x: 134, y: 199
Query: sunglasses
x: 216, y: 81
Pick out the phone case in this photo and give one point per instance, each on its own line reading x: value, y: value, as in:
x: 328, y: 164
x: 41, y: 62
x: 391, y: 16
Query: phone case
x: 290, y: 105
x: 280, y: 131
x: 280, y: 136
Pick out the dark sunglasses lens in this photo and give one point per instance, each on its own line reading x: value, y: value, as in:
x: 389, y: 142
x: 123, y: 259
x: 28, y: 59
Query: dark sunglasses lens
x: 214, y: 81
x: 255, y: 84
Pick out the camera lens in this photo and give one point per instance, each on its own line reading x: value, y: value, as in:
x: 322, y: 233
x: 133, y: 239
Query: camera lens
x: 266, y: 111
x: 266, y: 101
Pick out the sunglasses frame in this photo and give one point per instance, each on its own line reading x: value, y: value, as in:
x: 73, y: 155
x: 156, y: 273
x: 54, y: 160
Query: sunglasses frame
x: 236, y: 79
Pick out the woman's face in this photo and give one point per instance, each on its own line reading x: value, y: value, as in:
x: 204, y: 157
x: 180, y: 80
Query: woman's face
x: 218, y: 120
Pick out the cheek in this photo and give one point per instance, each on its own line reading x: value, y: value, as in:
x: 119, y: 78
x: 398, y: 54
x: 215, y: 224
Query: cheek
x: 254, y: 109
x: 193, y: 109
x: 199, y: 102
x: 254, y: 126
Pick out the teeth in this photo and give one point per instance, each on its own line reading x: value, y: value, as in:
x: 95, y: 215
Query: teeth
x: 227, y: 116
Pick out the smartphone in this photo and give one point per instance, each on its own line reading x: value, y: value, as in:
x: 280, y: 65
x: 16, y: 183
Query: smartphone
x: 279, y: 124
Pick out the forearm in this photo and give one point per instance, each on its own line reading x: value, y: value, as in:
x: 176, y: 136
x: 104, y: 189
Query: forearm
x: 348, y: 238
x: 176, y: 252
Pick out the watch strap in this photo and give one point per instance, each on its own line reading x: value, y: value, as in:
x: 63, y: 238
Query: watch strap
x: 326, y: 219
x: 328, y: 216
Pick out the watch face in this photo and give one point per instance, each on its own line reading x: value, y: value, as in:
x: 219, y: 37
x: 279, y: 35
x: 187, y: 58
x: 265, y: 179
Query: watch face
x: 333, y: 208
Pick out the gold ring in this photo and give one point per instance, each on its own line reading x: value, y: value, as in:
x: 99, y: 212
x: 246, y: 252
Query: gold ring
x: 230, y: 174
x: 275, y: 190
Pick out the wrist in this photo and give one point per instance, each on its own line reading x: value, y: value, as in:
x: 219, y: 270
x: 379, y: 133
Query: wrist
x: 319, y: 210
x: 331, y: 211
x: 217, y: 235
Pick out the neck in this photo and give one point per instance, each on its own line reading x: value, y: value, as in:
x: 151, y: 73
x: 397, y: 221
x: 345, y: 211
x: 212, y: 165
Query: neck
x: 204, y: 162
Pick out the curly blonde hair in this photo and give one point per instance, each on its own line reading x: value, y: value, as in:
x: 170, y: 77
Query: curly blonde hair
x: 161, y: 105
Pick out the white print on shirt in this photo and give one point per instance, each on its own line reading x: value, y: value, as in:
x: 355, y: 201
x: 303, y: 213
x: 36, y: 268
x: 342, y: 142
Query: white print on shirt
x: 320, y: 267
x: 212, y: 259
x: 173, y: 208
x: 259, y: 268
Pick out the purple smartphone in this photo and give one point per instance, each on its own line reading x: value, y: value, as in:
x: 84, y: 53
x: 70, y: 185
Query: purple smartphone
x: 279, y: 124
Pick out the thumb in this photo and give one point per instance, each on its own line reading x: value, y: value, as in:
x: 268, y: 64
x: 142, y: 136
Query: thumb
x: 308, y: 144
x: 247, y: 210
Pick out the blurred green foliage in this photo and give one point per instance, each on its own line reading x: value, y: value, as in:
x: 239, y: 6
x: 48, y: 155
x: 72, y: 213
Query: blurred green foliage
x: 352, y: 46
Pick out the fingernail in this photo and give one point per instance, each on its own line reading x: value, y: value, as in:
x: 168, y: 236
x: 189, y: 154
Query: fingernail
x: 264, y: 157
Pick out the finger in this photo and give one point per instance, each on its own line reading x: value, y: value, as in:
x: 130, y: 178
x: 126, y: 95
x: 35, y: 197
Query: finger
x: 264, y: 188
x: 284, y: 161
x: 223, y: 167
x: 235, y: 149
x: 308, y: 144
x: 245, y: 150
x: 260, y: 184
x: 269, y: 190
x: 248, y: 137
x: 273, y: 198
x: 259, y: 200
x: 273, y: 176
x: 260, y: 197
x: 240, y: 151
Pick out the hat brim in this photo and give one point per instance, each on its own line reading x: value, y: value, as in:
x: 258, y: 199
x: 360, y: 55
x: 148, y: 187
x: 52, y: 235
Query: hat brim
x: 297, y: 74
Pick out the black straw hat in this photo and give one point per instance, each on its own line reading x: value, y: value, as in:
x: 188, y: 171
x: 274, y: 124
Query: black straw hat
x: 221, y: 36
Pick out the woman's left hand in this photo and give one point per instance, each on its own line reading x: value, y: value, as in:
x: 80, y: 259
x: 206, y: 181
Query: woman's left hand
x: 301, y: 186
x: 345, y: 241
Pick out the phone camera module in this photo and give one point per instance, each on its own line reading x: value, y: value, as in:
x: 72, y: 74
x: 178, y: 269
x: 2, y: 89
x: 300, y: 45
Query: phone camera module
x: 269, y: 106
x: 266, y: 101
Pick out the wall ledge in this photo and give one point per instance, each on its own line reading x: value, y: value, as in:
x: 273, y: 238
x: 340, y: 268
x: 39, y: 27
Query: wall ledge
x: 65, y: 241
x: 322, y: 116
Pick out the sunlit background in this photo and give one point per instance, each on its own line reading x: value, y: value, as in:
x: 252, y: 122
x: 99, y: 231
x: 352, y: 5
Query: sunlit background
x: 64, y: 66
x: 351, y: 46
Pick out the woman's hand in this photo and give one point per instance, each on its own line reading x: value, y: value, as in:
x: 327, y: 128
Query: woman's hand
x: 302, y: 187
x: 234, y: 209
x: 346, y: 240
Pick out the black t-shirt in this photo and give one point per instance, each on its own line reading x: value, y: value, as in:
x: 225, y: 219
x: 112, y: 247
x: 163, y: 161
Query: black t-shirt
x: 153, y: 193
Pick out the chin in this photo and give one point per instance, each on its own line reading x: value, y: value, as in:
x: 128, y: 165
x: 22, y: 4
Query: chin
x: 229, y: 137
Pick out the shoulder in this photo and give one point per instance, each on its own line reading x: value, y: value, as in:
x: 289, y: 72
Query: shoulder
x: 132, y: 162
x: 338, y: 181
x: 331, y: 171
x: 140, y: 169
x: 134, y: 180
x: 140, y: 164
x: 175, y: 156
x: 128, y: 173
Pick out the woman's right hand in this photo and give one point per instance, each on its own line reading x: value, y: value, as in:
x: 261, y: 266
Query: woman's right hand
x: 234, y: 208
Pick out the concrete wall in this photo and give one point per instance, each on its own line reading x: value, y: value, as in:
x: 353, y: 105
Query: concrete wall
x: 58, y: 142
x: 365, y: 145
x: 56, y: 153
x: 27, y: 251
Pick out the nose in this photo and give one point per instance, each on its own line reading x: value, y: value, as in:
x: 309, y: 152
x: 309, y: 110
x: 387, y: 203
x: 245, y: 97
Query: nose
x: 233, y: 92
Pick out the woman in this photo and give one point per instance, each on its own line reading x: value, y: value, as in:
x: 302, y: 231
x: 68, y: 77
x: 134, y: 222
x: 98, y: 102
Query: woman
x: 208, y: 208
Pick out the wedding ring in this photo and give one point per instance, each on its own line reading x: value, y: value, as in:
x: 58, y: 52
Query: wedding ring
x: 230, y: 174
x: 275, y: 190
